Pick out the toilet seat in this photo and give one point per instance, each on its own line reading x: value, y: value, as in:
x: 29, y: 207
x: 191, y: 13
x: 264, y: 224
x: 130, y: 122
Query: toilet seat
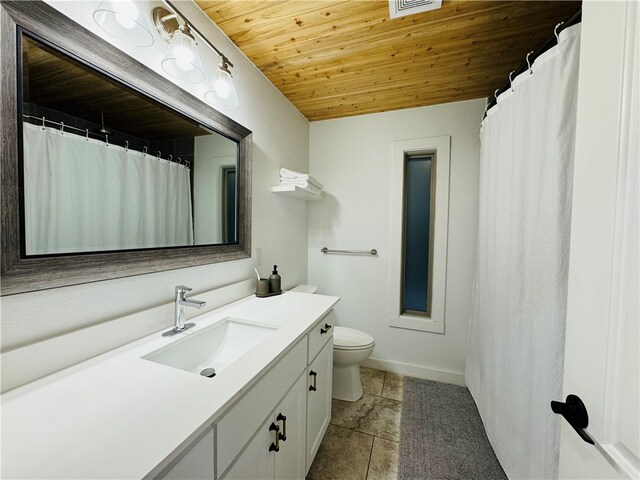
x: 345, y: 338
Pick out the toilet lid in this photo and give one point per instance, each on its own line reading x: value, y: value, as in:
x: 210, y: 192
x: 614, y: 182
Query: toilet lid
x: 351, y: 339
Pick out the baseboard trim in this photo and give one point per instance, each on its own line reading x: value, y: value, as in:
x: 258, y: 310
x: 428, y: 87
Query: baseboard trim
x: 418, y: 371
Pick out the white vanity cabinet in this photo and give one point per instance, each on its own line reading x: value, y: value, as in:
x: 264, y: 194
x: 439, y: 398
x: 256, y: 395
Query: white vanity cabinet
x: 195, y: 428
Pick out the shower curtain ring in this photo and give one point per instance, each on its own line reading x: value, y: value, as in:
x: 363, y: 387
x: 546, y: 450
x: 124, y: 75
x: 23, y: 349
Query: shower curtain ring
x: 188, y: 163
x: 555, y: 32
x: 62, y: 128
x: 528, y: 63
x: 144, y: 149
x: 511, y: 80
x: 126, y: 145
x: 495, y: 94
x: 86, y: 136
x: 106, y: 140
x: 170, y: 157
x: 43, y: 120
x: 159, y: 153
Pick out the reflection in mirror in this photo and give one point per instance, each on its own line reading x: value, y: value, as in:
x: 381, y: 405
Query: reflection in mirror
x: 106, y: 168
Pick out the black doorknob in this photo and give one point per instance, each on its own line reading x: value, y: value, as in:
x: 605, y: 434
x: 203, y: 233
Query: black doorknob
x: 574, y: 412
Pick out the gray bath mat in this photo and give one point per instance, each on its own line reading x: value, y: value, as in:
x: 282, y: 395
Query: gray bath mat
x: 442, y: 436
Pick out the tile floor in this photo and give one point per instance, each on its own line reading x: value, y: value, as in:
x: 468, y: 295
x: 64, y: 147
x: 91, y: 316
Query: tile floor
x: 362, y: 441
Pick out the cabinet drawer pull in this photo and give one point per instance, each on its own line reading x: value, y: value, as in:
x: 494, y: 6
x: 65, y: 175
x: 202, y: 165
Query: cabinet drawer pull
x: 275, y: 447
x: 282, y: 418
x: 325, y: 329
x: 313, y: 374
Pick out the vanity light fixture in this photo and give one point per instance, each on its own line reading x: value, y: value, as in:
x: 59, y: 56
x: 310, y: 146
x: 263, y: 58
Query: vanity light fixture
x: 182, y: 60
x: 222, y: 91
x: 122, y: 19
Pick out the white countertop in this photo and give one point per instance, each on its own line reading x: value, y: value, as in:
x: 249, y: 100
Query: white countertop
x: 121, y: 416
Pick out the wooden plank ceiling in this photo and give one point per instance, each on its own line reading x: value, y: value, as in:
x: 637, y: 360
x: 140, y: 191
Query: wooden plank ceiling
x: 334, y: 59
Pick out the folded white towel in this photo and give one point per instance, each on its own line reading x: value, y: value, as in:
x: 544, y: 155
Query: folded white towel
x: 306, y: 178
x: 285, y: 173
x: 302, y: 184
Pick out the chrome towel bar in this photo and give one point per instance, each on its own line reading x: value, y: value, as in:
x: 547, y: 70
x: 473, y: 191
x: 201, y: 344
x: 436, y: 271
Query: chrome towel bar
x: 373, y: 251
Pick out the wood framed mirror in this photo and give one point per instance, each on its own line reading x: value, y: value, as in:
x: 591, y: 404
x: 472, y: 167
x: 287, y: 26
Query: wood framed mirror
x: 108, y: 169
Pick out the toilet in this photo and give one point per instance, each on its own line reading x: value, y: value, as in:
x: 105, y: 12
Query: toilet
x: 350, y: 348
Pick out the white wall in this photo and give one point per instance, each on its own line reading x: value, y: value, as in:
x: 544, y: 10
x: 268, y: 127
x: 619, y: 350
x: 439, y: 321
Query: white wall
x: 280, y: 136
x: 352, y: 158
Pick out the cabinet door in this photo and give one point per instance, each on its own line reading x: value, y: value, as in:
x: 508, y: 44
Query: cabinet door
x: 256, y: 461
x: 236, y: 428
x: 319, y: 378
x: 291, y: 415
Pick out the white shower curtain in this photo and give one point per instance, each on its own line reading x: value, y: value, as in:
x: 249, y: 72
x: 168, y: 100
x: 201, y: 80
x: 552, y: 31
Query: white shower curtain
x: 516, y: 342
x: 84, y: 195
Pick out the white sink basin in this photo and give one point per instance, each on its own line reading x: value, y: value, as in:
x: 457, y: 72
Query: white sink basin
x: 217, y: 346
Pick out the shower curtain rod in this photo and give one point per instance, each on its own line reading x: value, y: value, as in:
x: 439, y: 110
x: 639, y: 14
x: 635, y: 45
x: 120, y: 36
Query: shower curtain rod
x: 525, y: 65
x: 86, y: 132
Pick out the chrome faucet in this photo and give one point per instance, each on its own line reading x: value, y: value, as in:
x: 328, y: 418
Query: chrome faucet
x: 181, y: 303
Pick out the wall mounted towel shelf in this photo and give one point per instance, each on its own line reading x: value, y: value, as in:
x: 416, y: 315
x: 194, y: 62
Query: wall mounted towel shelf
x: 295, y: 192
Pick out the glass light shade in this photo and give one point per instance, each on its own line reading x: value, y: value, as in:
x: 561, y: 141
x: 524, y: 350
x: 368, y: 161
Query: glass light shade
x: 221, y: 91
x: 182, y: 60
x: 123, y: 19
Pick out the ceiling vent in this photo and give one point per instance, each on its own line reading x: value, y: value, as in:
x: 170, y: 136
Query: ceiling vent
x: 400, y: 8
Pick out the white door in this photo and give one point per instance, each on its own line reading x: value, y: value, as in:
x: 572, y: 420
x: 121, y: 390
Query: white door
x: 601, y: 356
x: 291, y: 417
x: 320, y: 377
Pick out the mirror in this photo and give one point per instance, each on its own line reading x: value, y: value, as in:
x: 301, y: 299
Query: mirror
x: 108, y: 169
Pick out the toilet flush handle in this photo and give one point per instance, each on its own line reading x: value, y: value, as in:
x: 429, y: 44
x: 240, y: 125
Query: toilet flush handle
x: 325, y: 329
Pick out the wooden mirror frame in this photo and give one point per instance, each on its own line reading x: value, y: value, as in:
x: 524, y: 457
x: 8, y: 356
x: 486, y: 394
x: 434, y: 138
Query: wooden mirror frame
x: 25, y: 274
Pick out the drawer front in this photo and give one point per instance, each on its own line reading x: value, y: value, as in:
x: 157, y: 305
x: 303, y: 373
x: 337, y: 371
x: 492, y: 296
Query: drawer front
x: 236, y: 428
x: 320, y: 335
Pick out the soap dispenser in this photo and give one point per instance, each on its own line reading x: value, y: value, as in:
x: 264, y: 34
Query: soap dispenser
x: 274, y: 281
